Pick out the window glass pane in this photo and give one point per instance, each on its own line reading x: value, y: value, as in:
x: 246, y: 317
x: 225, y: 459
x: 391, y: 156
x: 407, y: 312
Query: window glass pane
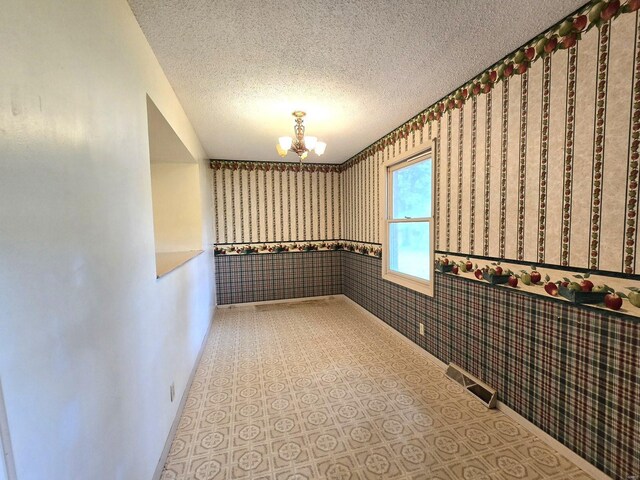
x: 409, y: 248
x: 412, y: 190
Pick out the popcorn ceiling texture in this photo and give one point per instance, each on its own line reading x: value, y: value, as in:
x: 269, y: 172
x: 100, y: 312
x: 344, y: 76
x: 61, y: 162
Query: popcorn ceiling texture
x: 358, y: 68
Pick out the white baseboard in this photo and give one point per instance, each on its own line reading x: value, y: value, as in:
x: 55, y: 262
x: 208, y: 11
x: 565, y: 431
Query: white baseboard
x: 176, y: 421
x: 7, y: 465
x: 554, y: 444
x: 541, y: 434
x: 283, y: 300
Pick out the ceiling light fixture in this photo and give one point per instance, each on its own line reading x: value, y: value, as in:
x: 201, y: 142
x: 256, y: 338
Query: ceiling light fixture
x: 301, y: 144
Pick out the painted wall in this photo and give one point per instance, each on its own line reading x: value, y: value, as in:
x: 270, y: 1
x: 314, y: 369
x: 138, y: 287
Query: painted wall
x: 89, y: 339
x: 3, y: 469
x: 177, y: 210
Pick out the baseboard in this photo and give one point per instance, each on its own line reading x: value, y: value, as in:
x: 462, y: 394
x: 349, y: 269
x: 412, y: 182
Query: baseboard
x: 176, y: 421
x: 282, y: 300
x: 566, y: 452
x: 554, y: 444
x: 7, y: 465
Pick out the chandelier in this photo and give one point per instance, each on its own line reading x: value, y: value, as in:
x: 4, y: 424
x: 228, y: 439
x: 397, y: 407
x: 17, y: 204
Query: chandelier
x: 301, y: 145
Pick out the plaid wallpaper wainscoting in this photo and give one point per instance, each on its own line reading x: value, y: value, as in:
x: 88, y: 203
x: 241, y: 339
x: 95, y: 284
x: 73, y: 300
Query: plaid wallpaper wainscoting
x: 261, y: 277
x: 573, y: 372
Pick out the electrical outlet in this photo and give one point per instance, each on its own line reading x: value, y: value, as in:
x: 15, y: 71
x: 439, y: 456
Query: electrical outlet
x: 422, y: 329
x: 172, y: 391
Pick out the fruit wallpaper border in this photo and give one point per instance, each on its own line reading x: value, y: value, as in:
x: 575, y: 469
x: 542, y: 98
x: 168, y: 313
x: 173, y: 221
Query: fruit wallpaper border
x: 275, y: 166
x: 362, y: 248
x: 613, y: 293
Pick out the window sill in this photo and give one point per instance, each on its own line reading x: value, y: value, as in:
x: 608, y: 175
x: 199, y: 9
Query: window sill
x: 167, y: 262
x: 421, y: 287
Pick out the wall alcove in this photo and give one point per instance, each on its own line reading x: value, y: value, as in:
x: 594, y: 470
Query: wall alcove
x: 175, y: 191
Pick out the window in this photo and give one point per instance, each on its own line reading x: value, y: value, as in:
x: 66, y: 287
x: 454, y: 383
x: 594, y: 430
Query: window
x: 408, y: 230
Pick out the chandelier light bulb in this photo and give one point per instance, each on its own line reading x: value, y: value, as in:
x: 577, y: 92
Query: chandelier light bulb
x: 281, y: 151
x: 320, y: 148
x: 285, y: 143
x: 310, y: 142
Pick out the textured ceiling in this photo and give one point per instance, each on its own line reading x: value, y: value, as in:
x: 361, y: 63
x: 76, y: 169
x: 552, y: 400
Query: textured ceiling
x: 359, y: 68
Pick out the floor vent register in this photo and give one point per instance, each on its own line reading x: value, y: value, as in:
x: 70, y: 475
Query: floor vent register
x: 483, y: 392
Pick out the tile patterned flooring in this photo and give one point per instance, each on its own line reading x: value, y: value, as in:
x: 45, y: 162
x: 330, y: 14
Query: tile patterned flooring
x: 319, y: 390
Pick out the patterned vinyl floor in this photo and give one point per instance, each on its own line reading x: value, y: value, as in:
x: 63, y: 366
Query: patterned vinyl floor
x: 319, y: 390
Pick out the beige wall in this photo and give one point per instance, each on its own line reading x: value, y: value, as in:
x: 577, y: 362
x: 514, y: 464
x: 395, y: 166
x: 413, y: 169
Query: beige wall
x: 89, y: 339
x: 177, y: 212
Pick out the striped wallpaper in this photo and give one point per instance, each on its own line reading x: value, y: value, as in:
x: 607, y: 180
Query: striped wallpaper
x: 541, y: 168
x: 273, y: 202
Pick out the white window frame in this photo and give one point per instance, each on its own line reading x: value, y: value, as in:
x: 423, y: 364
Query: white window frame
x: 386, y: 196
